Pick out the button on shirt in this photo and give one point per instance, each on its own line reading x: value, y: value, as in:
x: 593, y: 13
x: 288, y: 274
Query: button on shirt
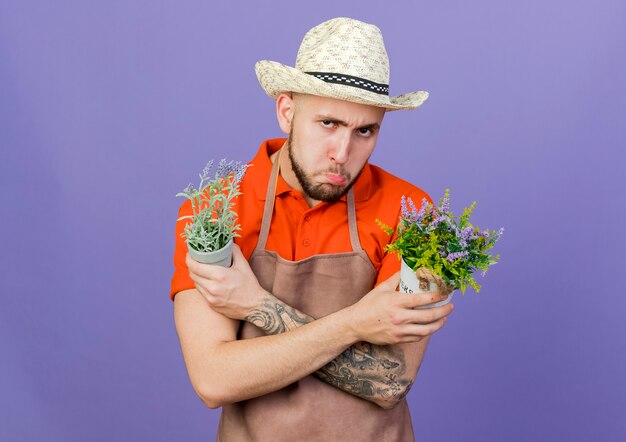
x: 298, y: 231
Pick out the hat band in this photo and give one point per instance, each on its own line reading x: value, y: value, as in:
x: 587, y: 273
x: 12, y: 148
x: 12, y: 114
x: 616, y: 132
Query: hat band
x: 348, y: 80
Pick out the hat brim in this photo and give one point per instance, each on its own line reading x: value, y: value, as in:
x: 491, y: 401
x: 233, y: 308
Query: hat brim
x: 276, y: 78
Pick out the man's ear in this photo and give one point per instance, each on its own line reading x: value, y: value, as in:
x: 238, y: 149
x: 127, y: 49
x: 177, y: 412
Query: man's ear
x: 285, y: 108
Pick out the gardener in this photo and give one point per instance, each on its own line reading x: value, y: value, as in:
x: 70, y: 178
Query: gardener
x: 305, y: 337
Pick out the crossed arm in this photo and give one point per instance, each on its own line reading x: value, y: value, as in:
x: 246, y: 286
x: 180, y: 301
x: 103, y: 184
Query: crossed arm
x: 378, y: 373
x: 371, y: 349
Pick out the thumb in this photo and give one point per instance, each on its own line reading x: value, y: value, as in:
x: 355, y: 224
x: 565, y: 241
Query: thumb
x: 237, y: 255
x: 239, y: 260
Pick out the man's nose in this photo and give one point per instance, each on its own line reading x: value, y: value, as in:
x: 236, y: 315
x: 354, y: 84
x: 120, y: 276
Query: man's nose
x: 341, y: 147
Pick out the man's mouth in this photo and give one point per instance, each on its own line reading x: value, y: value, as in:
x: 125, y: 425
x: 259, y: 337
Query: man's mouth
x: 337, y: 180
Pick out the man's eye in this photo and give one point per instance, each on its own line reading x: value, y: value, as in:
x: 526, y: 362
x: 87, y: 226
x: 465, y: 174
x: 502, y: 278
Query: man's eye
x: 328, y: 124
x: 366, y: 132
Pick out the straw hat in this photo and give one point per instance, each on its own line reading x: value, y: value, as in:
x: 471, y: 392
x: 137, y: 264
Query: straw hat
x: 341, y: 58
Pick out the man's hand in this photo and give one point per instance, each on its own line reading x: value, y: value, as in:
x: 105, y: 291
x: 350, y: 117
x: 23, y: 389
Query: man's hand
x: 234, y: 292
x: 385, y: 316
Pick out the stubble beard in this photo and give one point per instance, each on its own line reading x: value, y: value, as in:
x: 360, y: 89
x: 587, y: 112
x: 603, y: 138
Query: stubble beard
x: 326, y: 192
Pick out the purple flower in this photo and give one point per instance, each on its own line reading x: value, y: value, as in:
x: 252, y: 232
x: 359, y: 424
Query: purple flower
x: 456, y: 255
x: 403, y: 208
x: 423, y: 209
x: 464, y: 235
x: 440, y: 219
x: 412, y: 206
x: 206, y: 170
x: 190, y: 189
x: 445, y: 205
x: 493, y: 235
x: 240, y: 172
x: 227, y: 168
x: 455, y: 229
x: 409, y: 210
x: 467, y: 233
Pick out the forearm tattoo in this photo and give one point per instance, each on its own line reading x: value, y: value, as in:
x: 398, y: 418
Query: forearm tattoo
x: 369, y: 371
x: 275, y: 317
x: 365, y: 370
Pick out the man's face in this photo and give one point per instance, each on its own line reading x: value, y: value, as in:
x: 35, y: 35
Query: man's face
x: 329, y: 143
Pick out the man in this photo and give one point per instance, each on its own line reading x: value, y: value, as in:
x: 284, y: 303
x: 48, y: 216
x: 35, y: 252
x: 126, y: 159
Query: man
x: 305, y: 337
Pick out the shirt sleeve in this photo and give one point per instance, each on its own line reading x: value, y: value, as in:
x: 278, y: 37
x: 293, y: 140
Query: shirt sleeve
x: 181, y: 280
x: 388, y: 266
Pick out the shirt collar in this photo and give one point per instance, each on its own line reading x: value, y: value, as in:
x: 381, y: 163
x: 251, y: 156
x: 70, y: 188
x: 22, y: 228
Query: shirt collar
x: 262, y: 167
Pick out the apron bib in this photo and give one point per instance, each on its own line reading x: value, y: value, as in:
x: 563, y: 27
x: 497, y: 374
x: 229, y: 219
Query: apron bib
x: 310, y: 409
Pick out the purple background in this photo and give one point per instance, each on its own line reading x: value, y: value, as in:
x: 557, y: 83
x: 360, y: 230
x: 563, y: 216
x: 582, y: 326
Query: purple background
x: 107, y: 110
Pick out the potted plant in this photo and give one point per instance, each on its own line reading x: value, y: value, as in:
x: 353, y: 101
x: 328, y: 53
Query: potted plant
x: 437, y: 251
x: 213, y: 225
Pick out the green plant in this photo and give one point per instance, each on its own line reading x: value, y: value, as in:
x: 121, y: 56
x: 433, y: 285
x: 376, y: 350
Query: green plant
x: 213, y: 222
x: 433, y: 238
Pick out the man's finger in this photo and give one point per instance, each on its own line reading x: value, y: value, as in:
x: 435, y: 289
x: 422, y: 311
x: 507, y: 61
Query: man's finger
x: 193, y: 265
x: 207, y: 271
x: 429, y: 315
x: 421, y: 330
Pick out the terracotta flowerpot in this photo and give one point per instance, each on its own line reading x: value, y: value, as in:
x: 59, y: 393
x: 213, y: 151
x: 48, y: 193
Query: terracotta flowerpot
x: 222, y: 257
x: 423, y: 281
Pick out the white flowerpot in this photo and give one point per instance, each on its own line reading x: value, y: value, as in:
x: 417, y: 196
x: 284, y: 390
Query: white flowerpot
x: 411, y: 283
x: 222, y: 257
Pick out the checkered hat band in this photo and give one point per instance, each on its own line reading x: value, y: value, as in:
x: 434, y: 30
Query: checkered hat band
x: 349, y: 80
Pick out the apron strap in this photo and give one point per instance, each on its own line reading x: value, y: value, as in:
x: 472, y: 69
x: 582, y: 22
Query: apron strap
x: 352, y: 226
x: 268, y: 210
